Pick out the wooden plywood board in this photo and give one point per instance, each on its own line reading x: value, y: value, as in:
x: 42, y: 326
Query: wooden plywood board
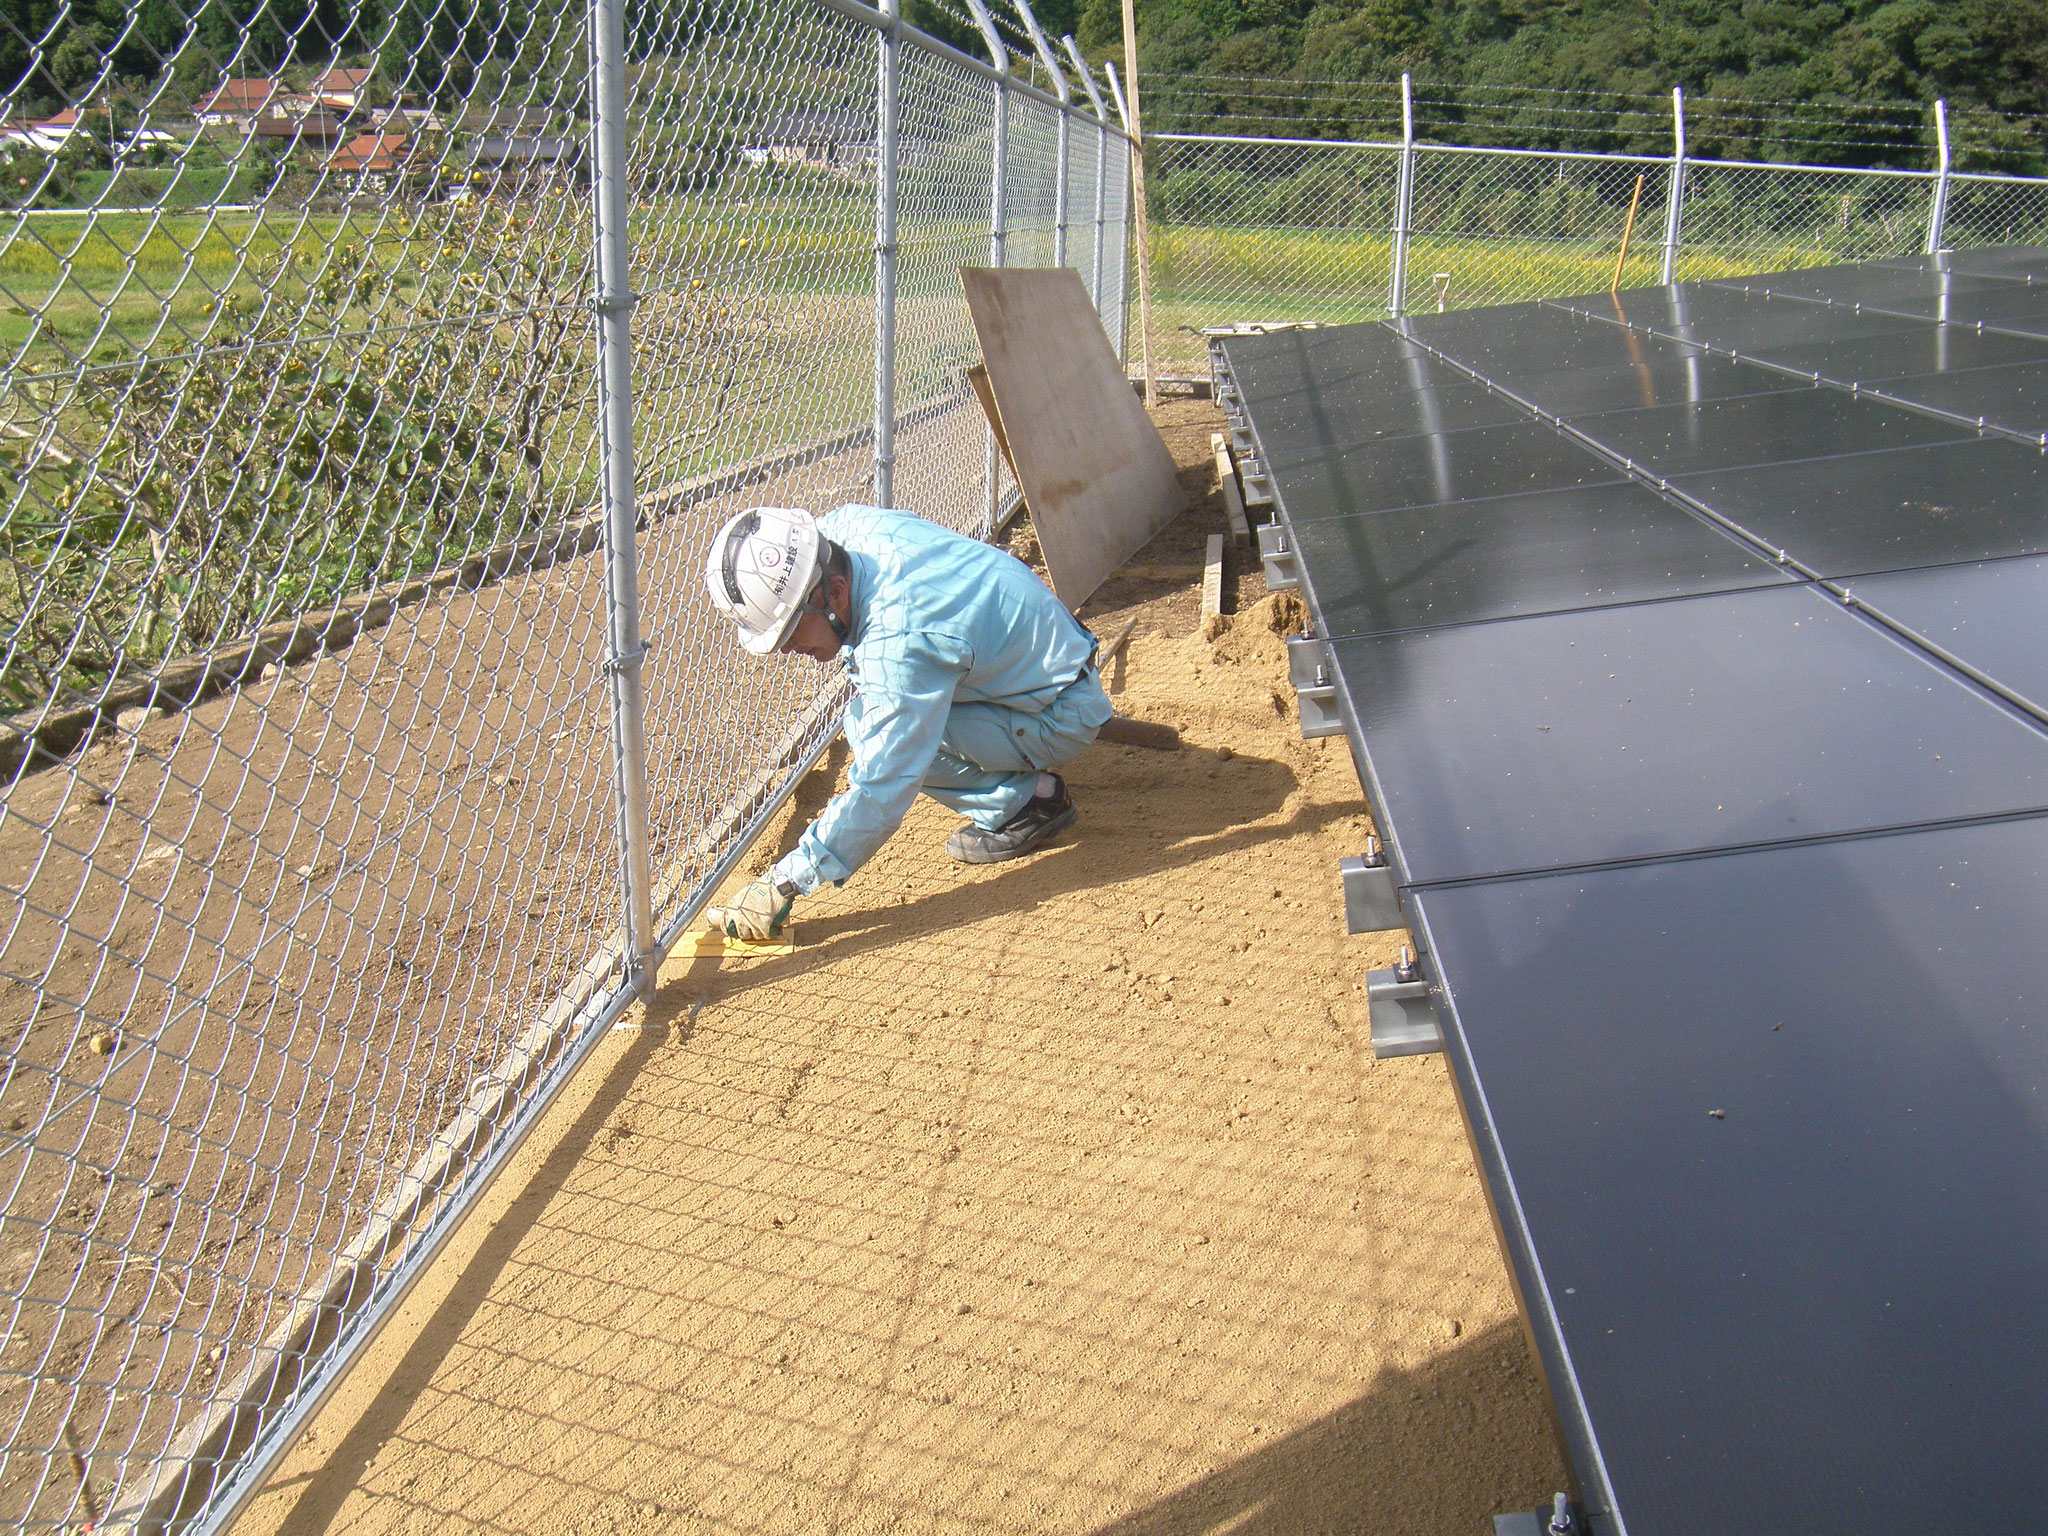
x: 1095, y: 472
x: 977, y: 377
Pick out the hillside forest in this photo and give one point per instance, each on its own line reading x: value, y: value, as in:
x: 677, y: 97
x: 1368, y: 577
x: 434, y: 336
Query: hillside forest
x: 1841, y: 81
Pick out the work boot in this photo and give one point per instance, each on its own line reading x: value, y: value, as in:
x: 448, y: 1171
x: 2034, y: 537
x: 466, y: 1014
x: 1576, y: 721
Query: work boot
x: 1043, y: 818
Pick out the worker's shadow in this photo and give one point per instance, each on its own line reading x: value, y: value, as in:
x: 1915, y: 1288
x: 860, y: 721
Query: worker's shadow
x: 1137, y: 822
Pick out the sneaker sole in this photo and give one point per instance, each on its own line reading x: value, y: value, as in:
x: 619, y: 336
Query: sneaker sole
x: 1045, y: 834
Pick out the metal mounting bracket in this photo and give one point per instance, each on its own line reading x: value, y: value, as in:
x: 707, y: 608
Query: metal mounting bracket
x: 1308, y: 669
x: 1403, y: 1017
x: 1306, y: 655
x: 1561, y: 1519
x: 1258, y: 485
x: 1275, y: 554
x: 1372, y: 901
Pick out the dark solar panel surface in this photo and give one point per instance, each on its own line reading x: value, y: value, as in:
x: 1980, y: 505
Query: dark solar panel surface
x: 1451, y: 466
x: 1702, y: 709
x: 1889, y: 510
x: 1992, y: 616
x: 2014, y: 397
x: 1507, y: 556
x: 1762, y: 429
x: 1659, y: 728
x: 1815, y: 1308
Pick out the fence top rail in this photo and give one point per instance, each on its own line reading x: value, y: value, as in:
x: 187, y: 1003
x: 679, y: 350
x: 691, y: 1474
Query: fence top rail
x: 1432, y: 147
x: 1245, y: 138
x: 878, y: 21
x: 1541, y: 154
x: 2001, y: 177
x: 1419, y: 145
x: 1896, y: 173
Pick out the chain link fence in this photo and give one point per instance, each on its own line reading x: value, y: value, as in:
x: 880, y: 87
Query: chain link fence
x: 375, y: 379
x: 1269, y: 230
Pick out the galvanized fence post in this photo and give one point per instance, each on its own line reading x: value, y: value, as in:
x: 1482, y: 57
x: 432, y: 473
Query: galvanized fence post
x: 888, y: 106
x: 1404, y: 201
x: 1674, y: 194
x: 628, y: 650
x: 1937, y: 211
x: 1101, y: 162
x: 998, y: 233
x: 1060, y: 161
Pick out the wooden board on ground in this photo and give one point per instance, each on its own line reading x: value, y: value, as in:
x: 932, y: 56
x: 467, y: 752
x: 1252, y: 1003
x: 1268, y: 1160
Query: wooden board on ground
x: 1094, y: 470
x: 1233, y: 498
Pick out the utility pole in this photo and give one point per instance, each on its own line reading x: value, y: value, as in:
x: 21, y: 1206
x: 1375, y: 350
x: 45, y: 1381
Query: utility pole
x: 1137, y: 128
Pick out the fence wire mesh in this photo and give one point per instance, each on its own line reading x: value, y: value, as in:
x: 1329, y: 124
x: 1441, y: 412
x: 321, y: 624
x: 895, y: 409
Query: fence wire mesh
x: 312, y: 842
x: 1252, y: 230
x: 1257, y: 230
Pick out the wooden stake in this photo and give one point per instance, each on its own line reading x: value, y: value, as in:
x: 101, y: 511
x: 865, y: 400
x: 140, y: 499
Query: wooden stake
x: 1138, y: 197
x: 1212, y: 579
x: 1114, y: 647
x: 1226, y: 476
x: 1628, y: 228
x: 1126, y: 732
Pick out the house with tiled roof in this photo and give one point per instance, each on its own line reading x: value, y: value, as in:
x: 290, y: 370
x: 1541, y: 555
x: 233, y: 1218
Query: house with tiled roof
x: 372, y: 154
x: 316, y: 130
x: 344, y: 90
x: 240, y: 102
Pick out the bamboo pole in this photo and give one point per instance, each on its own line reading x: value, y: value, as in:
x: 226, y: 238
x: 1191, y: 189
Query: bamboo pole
x: 1628, y: 228
x: 1137, y: 132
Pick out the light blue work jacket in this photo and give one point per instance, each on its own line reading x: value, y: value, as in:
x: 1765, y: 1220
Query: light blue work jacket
x: 938, y: 618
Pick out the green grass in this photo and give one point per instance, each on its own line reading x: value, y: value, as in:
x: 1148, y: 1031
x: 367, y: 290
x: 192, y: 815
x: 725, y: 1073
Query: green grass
x: 1208, y: 275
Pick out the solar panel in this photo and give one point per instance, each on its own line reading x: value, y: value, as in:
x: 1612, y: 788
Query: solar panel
x: 1866, y: 285
x: 1924, y: 349
x: 1992, y: 616
x: 1732, y: 322
x: 1761, y: 429
x: 1579, y: 391
x: 1445, y: 467
x: 2014, y: 397
x: 1766, y: 1132
x: 1729, y: 883
x: 1658, y: 728
x: 1336, y: 418
x: 2016, y: 261
x: 1889, y: 511
x: 1519, y: 339
x: 2008, y: 303
x: 1334, y: 359
x: 1585, y: 547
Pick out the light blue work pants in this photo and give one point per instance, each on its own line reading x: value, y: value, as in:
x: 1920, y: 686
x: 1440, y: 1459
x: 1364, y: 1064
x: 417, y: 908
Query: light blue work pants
x: 991, y: 756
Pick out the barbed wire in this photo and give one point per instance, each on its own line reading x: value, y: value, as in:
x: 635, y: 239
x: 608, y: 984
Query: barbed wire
x: 1322, y: 84
x: 1564, y: 117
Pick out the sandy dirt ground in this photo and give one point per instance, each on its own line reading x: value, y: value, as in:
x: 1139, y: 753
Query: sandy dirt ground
x: 1057, y: 1196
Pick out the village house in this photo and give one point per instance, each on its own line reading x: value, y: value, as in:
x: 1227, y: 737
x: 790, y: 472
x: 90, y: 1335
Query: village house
x: 240, y: 103
x: 344, y: 90
x: 371, y: 157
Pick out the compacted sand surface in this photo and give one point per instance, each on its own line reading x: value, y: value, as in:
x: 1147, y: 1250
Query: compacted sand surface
x: 1057, y: 1196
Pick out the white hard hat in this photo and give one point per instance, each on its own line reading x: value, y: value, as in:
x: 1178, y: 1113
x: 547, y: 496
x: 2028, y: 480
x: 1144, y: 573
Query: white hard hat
x: 763, y: 566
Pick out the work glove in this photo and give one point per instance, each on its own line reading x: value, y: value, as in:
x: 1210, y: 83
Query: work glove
x: 756, y: 914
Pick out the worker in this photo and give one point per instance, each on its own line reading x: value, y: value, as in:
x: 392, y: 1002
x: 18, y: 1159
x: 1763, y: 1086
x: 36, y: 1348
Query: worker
x: 970, y: 682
